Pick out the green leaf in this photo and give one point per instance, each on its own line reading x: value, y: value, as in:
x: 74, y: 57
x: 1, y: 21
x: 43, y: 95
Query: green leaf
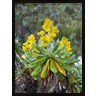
x: 66, y: 67
x: 73, y: 61
x: 34, y: 77
x: 36, y: 54
x: 72, y: 56
x: 36, y: 62
x: 45, y: 70
x: 19, y: 73
x: 53, y: 67
x: 60, y: 60
x: 74, y: 89
x: 36, y: 71
x: 41, y: 49
x: 62, y: 53
x: 63, y: 56
x: 28, y: 53
x: 63, y: 63
x: 72, y: 79
x: 60, y: 76
x: 77, y: 89
x: 59, y: 50
x: 31, y: 59
x: 35, y: 45
x: 56, y: 46
x: 49, y: 47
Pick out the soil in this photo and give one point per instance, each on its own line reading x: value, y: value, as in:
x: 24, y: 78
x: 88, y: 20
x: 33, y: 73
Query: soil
x: 25, y: 84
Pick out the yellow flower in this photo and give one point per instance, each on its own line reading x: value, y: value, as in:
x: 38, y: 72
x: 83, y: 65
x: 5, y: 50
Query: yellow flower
x: 43, y: 38
x: 31, y: 39
x: 64, y: 38
x: 68, y: 49
x: 52, y: 35
x: 64, y: 41
x: 48, y: 39
x: 46, y: 28
x: 48, y: 21
x: 31, y: 42
x: 55, y: 30
x: 29, y: 46
x: 68, y: 43
x: 24, y: 48
x: 25, y: 44
x: 48, y: 24
x: 41, y: 33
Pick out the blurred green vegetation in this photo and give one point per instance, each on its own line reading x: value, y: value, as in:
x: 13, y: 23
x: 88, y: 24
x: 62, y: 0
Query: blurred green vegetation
x: 29, y: 18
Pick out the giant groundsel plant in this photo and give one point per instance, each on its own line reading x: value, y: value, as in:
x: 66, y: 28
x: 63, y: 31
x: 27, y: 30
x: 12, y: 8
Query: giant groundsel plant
x: 52, y: 57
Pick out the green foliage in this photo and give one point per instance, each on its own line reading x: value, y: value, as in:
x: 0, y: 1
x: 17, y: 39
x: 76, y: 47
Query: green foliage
x: 57, y: 64
x: 76, y: 83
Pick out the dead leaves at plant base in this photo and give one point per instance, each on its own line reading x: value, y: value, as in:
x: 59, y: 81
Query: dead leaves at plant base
x: 51, y: 84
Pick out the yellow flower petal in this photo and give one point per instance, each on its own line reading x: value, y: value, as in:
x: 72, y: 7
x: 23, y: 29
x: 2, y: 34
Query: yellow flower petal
x: 52, y: 35
x: 24, y: 48
x: 68, y: 49
x: 41, y: 33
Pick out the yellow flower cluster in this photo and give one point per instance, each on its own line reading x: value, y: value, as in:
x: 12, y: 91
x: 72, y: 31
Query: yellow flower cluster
x: 48, y: 33
x: 48, y: 26
x: 64, y: 41
x: 41, y: 33
x: 28, y: 44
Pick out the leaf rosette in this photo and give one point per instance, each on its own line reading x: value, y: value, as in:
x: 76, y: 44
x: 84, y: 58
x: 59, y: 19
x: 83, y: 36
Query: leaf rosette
x: 48, y: 56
